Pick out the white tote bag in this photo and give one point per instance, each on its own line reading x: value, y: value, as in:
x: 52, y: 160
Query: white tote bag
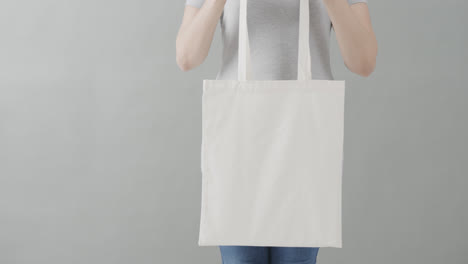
x: 272, y: 155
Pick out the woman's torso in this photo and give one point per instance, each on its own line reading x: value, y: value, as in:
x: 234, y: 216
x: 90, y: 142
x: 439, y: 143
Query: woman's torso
x: 273, y: 38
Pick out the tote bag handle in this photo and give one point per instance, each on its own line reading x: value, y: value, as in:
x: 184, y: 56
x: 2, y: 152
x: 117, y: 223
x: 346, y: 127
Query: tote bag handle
x: 304, y: 61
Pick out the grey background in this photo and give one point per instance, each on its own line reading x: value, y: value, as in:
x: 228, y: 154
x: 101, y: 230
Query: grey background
x: 100, y: 134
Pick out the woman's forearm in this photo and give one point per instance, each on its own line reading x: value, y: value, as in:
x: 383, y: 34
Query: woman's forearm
x: 196, y: 33
x: 354, y: 34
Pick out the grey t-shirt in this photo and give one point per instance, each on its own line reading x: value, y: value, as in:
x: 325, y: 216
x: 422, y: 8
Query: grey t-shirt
x: 273, y: 35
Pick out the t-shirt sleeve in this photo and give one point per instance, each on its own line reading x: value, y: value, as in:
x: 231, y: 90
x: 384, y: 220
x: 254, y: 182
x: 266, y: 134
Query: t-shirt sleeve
x: 195, y: 3
x: 356, y: 1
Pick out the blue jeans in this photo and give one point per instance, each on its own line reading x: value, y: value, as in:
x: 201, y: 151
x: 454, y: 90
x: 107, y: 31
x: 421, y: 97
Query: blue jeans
x: 268, y: 255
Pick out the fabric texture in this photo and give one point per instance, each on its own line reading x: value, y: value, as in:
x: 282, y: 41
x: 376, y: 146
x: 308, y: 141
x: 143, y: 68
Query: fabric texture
x: 272, y: 154
x: 268, y: 255
x: 273, y: 35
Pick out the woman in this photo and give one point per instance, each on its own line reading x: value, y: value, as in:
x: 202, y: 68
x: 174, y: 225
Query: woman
x: 273, y: 35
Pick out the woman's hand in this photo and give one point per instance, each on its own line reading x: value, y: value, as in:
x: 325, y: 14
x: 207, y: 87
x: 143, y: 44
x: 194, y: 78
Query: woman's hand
x: 355, y: 35
x: 196, y: 33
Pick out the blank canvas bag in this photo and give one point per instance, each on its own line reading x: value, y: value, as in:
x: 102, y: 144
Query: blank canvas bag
x: 272, y: 155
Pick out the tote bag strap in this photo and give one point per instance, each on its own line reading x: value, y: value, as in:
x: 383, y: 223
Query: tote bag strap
x: 304, y: 61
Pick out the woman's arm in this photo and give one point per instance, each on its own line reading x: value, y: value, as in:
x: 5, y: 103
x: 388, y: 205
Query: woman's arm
x: 196, y: 33
x: 355, y: 36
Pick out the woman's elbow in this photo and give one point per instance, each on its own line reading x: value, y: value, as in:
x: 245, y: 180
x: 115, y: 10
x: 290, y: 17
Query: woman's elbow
x: 183, y: 56
x: 183, y: 61
x: 364, y: 66
x: 187, y: 57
